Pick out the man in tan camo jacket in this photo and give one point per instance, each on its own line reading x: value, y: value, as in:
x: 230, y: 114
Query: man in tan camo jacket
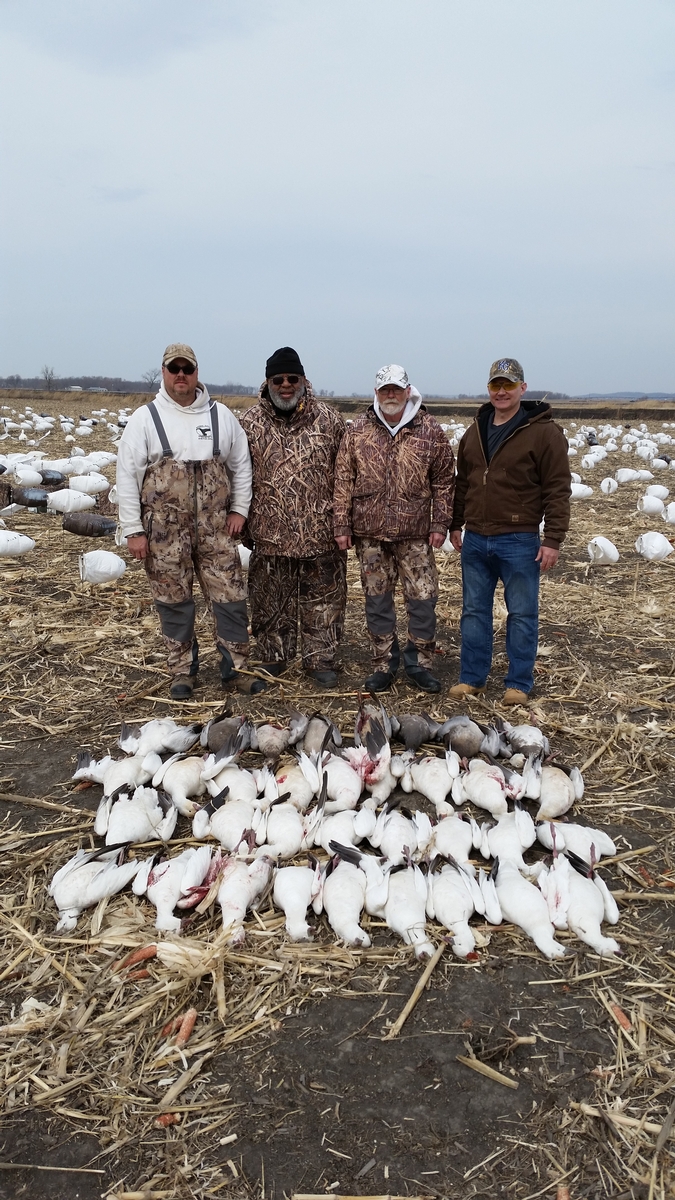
x: 297, y: 575
x: 394, y: 487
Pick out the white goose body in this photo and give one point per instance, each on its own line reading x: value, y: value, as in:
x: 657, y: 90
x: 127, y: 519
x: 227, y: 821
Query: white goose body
x: 227, y: 824
x: 405, y: 909
x: 295, y: 888
x: 455, y: 837
x: 484, y: 785
x: 241, y: 783
x: 116, y: 774
x: 242, y: 884
x: 577, y: 838
x: 450, y: 902
x: 181, y: 779
x: 344, y: 784
x: 348, y: 827
x: 558, y: 793
x: 587, y: 910
x: 433, y: 778
x: 140, y: 818
x: 506, y: 840
x: 281, y: 832
x: 83, y: 881
x: 169, y: 882
x: 344, y: 893
x: 523, y: 904
x: 395, y: 835
x: 292, y: 779
x: 158, y: 737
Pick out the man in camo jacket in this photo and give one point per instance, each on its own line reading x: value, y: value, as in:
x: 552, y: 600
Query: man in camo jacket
x: 184, y: 487
x: 394, y: 486
x: 296, y: 575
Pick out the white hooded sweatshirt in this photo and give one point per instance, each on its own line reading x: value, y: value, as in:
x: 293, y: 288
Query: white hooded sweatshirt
x: 191, y: 440
x: 412, y: 407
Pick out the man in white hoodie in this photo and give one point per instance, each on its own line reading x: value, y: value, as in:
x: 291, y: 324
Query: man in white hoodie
x: 184, y: 489
x: 394, y: 486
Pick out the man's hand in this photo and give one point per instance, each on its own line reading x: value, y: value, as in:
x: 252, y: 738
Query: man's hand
x: 436, y: 540
x: 137, y: 545
x: 547, y: 557
x: 456, y: 539
x: 235, y: 523
x: 344, y: 542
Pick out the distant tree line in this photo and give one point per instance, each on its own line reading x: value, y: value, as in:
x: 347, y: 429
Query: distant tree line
x: 48, y: 381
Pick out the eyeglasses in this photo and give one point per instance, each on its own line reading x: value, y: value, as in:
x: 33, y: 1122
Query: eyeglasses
x: 174, y: 369
x: 505, y: 384
x: 277, y: 380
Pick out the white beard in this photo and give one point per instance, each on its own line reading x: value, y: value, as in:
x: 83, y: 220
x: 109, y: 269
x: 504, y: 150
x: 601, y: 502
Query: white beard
x: 286, y: 405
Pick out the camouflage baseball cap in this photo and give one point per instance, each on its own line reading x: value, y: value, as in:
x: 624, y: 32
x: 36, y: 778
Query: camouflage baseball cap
x: 179, y: 350
x: 391, y: 374
x: 507, y: 368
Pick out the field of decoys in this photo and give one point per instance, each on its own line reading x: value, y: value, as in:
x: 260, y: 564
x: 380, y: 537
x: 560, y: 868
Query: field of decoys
x: 197, y: 896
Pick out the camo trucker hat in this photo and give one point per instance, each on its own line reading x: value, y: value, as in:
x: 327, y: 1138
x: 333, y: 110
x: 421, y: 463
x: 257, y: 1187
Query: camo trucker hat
x: 179, y: 350
x: 391, y: 375
x: 507, y: 368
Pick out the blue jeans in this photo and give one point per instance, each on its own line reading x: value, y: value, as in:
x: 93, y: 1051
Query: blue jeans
x: 511, y: 558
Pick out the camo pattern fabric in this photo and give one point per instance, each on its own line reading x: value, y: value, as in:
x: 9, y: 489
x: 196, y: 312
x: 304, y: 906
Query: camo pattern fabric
x: 397, y: 488
x: 184, y: 514
x: 413, y: 563
x: 286, y: 590
x: 293, y: 461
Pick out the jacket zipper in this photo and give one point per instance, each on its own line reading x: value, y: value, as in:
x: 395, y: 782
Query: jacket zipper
x: 482, y: 448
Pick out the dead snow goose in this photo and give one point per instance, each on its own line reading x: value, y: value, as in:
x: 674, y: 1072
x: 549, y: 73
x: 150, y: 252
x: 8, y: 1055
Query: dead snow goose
x: 87, y: 878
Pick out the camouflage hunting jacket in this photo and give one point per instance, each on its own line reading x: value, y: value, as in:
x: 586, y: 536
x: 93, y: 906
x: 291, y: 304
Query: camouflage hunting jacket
x: 293, y: 458
x: 527, y: 478
x: 394, y: 488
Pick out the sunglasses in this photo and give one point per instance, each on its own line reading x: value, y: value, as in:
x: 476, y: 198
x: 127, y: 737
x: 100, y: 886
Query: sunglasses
x: 174, y: 369
x: 277, y: 380
x: 506, y: 385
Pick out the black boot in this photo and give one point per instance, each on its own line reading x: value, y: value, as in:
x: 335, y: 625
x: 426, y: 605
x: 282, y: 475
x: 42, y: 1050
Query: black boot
x: 274, y: 668
x: 381, y: 681
x: 418, y: 675
x: 325, y: 677
x: 228, y: 675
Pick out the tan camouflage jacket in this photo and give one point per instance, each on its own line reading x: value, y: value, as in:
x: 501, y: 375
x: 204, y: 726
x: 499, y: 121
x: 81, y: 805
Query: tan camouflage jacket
x: 394, y: 488
x: 293, y: 472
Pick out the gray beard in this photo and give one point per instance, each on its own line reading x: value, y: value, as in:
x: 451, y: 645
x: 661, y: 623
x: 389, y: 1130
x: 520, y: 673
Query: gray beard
x: 286, y: 405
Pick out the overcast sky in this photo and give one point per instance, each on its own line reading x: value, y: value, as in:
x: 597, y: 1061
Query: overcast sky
x: 432, y: 182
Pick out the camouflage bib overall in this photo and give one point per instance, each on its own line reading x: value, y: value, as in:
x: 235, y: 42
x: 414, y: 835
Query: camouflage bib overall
x: 184, y: 509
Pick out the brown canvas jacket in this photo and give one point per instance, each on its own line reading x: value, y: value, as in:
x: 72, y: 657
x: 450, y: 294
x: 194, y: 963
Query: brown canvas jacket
x: 394, y: 488
x: 528, y: 478
x: 293, y: 460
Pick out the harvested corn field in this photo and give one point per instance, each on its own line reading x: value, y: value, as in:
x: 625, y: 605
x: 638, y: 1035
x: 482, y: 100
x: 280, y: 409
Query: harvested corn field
x: 511, y: 1076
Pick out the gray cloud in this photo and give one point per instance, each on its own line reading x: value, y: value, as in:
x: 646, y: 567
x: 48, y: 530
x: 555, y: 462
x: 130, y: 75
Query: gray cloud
x: 435, y: 184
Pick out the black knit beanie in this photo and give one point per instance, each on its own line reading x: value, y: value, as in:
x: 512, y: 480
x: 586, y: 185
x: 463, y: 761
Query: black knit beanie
x: 284, y: 362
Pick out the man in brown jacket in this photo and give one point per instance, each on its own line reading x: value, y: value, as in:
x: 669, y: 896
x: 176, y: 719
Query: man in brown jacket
x: 296, y: 572
x: 512, y: 470
x: 394, y: 482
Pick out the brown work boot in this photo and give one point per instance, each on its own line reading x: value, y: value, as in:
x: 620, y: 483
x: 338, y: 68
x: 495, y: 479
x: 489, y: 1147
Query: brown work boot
x: 514, y: 696
x: 182, y: 686
x: 460, y: 690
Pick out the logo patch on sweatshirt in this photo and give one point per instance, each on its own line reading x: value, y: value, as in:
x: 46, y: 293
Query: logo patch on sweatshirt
x: 204, y: 433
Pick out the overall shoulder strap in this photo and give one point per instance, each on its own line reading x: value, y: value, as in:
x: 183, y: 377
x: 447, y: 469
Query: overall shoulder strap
x: 215, y: 430
x: 167, y: 452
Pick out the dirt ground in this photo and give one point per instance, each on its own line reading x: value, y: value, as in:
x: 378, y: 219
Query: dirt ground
x: 309, y: 1098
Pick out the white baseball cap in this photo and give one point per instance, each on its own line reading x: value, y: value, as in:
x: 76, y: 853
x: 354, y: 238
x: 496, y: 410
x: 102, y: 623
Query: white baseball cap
x: 392, y: 374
